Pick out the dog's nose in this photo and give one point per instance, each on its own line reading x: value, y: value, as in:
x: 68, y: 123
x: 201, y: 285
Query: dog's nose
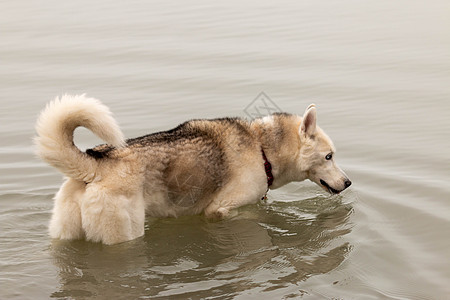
x: 347, y: 183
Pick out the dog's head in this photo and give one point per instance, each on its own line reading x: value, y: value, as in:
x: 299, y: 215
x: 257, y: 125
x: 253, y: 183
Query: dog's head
x: 316, y: 156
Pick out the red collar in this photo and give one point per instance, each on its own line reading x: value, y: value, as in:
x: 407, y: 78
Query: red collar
x: 268, y: 169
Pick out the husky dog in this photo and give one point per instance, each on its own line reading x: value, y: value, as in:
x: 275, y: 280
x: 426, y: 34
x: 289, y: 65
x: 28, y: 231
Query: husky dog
x: 201, y: 166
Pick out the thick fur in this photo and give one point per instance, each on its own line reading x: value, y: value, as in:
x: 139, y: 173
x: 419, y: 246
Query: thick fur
x: 201, y: 166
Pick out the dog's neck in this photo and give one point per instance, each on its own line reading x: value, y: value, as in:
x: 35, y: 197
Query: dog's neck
x: 279, y: 140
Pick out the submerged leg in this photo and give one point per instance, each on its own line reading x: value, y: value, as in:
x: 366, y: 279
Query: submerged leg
x: 66, y: 219
x: 234, y: 195
x: 111, y: 218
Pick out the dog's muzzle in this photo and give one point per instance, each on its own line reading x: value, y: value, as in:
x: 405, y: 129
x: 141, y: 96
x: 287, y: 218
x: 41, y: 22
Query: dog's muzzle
x: 331, y: 190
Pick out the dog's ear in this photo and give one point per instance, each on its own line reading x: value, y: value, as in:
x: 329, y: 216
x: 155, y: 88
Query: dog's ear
x: 308, y: 126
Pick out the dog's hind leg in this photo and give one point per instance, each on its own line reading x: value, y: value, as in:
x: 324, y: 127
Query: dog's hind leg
x: 66, y: 219
x: 112, y: 218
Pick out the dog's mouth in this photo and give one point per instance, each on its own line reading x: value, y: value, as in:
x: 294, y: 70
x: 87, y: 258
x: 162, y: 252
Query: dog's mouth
x: 329, y: 188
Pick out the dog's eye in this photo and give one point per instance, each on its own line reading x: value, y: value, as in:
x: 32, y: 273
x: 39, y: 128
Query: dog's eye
x: 329, y: 156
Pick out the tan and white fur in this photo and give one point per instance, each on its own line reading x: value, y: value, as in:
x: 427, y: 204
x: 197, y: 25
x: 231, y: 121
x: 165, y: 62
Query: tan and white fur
x: 208, y: 167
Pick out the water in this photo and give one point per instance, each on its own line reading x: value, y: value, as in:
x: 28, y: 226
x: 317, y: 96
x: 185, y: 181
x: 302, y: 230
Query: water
x: 379, y: 74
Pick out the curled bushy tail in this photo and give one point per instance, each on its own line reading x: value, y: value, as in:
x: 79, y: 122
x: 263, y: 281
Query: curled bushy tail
x: 55, y: 127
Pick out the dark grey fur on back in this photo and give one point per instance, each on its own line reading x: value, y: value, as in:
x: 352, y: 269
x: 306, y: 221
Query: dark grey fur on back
x: 188, y: 130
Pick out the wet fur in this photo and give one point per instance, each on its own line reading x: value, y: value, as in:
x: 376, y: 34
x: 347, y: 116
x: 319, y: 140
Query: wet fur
x: 201, y: 166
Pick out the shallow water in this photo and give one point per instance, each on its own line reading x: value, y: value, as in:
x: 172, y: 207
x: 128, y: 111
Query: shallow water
x: 379, y: 75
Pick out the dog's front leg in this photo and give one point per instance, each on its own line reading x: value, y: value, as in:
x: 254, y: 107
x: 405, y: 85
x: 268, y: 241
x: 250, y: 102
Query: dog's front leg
x: 225, y: 203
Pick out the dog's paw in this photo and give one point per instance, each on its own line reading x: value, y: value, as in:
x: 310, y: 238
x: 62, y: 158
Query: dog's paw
x: 222, y: 213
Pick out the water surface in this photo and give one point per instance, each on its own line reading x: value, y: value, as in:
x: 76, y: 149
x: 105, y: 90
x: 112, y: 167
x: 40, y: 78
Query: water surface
x: 379, y: 75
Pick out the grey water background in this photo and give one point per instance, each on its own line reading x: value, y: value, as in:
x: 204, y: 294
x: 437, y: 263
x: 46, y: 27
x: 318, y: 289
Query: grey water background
x: 379, y: 73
